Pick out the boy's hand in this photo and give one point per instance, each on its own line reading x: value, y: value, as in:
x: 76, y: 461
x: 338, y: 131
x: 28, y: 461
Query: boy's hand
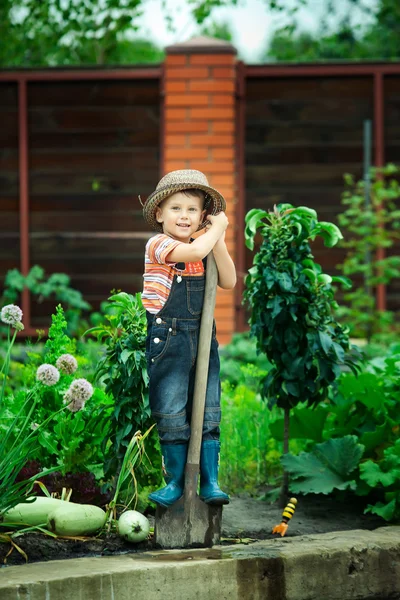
x: 219, y: 221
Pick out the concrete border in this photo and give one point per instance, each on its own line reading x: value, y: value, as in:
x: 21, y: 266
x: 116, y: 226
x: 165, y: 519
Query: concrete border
x: 342, y: 565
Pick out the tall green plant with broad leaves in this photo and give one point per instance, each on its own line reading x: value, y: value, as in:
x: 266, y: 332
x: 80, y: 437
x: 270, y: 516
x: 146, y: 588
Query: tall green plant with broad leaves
x: 291, y: 303
x: 372, y: 228
x: 123, y: 370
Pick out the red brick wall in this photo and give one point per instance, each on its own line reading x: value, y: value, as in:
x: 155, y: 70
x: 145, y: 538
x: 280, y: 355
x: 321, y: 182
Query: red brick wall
x: 199, y: 133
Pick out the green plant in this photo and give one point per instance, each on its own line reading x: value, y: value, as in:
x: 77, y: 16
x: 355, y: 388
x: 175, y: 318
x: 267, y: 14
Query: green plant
x: 330, y: 465
x: 249, y: 454
x: 384, y: 476
x: 291, y: 304
x: 363, y: 412
x: 18, y: 440
x: 241, y: 351
x: 55, y: 286
x: 124, y: 373
x: 372, y: 228
x: 134, y: 453
x: 73, y: 440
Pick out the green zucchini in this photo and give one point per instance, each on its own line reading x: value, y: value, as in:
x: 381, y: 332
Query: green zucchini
x: 33, y: 513
x: 76, y: 519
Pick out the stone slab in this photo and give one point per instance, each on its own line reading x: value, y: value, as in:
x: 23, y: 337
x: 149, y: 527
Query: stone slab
x: 350, y: 565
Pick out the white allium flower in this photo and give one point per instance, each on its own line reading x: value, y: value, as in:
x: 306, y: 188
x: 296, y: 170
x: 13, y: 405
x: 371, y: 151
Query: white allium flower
x: 81, y: 389
x: 47, y: 374
x: 67, y: 364
x: 73, y: 404
x: 11, y: 314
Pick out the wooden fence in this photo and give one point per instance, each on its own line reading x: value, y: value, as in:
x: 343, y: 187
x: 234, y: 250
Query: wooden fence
x: 78, y: 146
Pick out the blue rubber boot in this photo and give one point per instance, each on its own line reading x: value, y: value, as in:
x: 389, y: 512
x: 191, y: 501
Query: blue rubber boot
x: 210, y: 492
x: 174, y: 461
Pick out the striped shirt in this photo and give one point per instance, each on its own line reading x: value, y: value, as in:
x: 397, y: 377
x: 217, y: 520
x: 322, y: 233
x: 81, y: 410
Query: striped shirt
x: 159, y: 273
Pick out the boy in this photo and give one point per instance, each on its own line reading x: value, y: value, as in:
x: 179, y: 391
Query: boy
x: 173, y: 292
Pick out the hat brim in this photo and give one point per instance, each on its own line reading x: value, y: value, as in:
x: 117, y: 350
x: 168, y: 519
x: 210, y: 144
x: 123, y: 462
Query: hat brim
x: 218, y: 203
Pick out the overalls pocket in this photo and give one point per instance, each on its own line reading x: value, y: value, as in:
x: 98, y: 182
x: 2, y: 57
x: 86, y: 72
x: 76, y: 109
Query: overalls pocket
x: 159, y: 342
x: 195, y: 296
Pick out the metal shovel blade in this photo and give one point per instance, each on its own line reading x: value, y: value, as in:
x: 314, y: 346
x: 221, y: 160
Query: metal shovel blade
x: 189, y: 523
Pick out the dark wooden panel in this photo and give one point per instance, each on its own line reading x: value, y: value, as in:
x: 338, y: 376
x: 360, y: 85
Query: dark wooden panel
x: 302, y: 154
x: 134, y: 135
x: 9, y: 186
x: 94, y: 93
x: 94, y: 147
x: 93, y: 159
x: 86, y: 220
x: 298, y: 173
x: 124, y: 182
x: 8, y: 95
x: 299, y: 133
x: 9, y: 221
x: 302, y: 135
x: 96, y: 248
x: 96, y: 201
x: 50, y: 119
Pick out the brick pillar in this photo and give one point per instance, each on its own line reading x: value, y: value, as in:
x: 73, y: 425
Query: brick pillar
x: 199, y: 132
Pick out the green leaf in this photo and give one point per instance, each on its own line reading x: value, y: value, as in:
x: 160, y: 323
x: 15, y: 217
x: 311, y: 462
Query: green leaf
x: 253, y: 220
x: 326, y: 341
x: 329, y: 232
x: 373, y: 474
x: 285, y: 282
x: 305, y: 423
x: 345, y: 281
x: 275, y: 304
x: 373, y: 439
x: 324, y: 278
x: 386, y: 511
x: 327, y: 468
x: 312, y: 276
x: 305, y: 211
x: 125, y: 354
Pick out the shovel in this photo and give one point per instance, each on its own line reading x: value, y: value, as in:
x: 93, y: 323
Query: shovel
x: 190, y: 522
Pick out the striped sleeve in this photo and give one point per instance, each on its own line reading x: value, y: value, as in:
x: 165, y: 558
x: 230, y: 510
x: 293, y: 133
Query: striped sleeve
x: 159, y: 247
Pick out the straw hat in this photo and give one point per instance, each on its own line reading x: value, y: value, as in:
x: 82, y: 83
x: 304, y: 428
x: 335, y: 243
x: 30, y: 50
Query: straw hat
x: 177, y: 181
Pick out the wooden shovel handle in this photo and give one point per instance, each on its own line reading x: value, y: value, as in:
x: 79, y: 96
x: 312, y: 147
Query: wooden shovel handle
x: 202, y: 363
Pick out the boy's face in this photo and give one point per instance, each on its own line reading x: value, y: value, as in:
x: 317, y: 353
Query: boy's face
x: 180, y: 215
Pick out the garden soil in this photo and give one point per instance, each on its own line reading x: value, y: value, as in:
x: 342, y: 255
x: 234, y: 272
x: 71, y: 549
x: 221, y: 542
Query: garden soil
x: 245, y: 520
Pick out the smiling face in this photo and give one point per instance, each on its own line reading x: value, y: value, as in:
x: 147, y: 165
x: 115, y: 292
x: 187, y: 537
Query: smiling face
x: 181, y: 215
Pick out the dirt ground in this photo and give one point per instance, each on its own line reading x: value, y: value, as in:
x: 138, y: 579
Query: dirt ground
x: 243, y: 518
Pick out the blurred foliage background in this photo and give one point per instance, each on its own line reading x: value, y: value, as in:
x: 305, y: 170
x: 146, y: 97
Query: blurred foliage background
x: 109, y: 32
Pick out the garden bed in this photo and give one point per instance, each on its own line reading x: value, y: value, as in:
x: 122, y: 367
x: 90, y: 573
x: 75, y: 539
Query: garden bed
x: 244, y: 519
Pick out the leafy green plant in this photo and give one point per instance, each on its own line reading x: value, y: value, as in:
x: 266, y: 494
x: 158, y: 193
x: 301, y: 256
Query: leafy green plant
x: 74, y: 439
x: 249, y: 454
x: 371, y: 228
x: 291, y: 304
x: 384, y: 476
x: 240, y: 354
x: 331, y: 465
x: 123, y: 371
x: 55, y: 286
x: 365, y: 409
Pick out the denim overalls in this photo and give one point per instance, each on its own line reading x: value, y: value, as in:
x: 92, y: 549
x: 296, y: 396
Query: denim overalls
x: 171, y: 351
